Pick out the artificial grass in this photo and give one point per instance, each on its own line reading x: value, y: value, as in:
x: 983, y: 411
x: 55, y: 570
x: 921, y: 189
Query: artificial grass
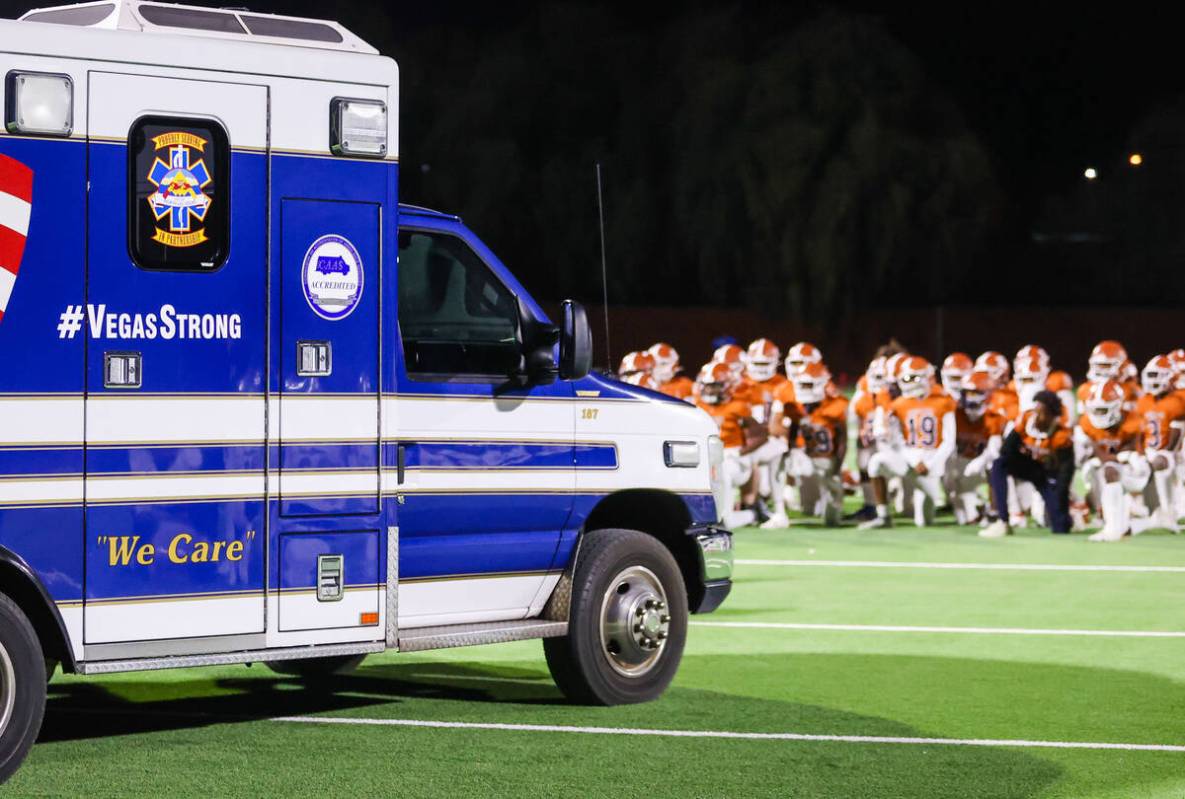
x: 204, y: 733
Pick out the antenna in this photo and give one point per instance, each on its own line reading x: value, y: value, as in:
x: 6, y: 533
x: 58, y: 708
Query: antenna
x: 604, y: 270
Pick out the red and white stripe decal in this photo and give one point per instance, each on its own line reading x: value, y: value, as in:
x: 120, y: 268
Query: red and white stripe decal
x: 16, y: 199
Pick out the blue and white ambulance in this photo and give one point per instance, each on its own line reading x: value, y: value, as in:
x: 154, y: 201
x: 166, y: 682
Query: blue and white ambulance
x: 254, y: 410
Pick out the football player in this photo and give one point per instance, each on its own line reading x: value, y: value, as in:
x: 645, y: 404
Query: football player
x: 733, y: 357
x: 714, y: 394
x: 1105, y: 363
x: 666, y: 372
x: 1038, y: 450
x: 799, y: 356
x: 1105, y: 440
x: 862, y: 412
x: 1161, y: 410
x: 1004, y: 400
x: 818, y: 436
x: 760, y: 389
x: 955, y: 370
x: 924, y: 433
x: 1056, y: 380
x: 979, y: 434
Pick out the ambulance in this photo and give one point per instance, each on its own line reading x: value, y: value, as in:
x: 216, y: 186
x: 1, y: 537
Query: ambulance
x: 252, y: 409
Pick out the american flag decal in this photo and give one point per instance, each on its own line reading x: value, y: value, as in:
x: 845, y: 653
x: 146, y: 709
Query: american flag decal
x: 16, y: 198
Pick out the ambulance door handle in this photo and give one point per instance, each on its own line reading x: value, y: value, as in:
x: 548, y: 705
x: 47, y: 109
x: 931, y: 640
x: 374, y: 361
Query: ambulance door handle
x: 400, y: 463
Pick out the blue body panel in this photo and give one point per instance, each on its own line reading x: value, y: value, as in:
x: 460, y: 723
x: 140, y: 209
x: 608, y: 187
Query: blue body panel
x: 77, y: 254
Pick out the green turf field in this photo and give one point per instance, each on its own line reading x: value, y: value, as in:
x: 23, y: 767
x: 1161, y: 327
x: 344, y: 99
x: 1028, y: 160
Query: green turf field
x: 212, y: 732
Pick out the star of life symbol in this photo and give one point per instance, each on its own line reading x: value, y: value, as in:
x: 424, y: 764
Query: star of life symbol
x: 180, y: 196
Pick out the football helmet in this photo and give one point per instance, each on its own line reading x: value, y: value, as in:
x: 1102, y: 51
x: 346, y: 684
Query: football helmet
x: 1031, y: 375
x: 915, y: 377
x: 666, y: 362
x: 976, y: 391
x: 713, y: 384
x: 1029, y: 351
x: 639, y: 361
x: 642, y: 380
x: 1106, y: 361
x: 1104, y: 404
x: 1129, y: 373
x: 955, y: 369
x: 762, y: 359
x: 800, y: 355
x: 733, y: 357
x: 810, y: 385
x: 1157, y: 377
x: 1177, y: 358
x: 996, y: 365
x: 875, y: 376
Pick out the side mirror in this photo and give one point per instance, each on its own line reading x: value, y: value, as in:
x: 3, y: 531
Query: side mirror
x: 538, y: 341
x: 576, y: 349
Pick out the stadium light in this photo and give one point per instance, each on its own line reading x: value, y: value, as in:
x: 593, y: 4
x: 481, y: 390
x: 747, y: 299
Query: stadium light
x: 1091, y: 173
x: 1135, y: 159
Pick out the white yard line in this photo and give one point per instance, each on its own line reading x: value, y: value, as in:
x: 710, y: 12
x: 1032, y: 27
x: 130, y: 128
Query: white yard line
x: 895, y: 564
x: 895, y: 628
x: 745, y: 736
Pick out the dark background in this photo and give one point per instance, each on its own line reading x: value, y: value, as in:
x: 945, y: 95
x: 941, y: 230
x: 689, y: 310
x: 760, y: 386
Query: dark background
x: 807, y: 163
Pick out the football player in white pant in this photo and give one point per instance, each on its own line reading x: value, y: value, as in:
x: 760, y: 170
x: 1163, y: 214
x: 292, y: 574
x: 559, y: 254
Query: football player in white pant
x: 818, y: 436
x: 1105, y: 440
x: 714, y: 394
x: 760, y: 387
x: 862, y: 411
x: 923, y: 440
x: 1162, y: 411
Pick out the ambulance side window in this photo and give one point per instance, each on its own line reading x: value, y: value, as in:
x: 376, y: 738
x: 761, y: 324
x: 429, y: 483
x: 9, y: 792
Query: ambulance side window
x: 178, y: 194
x: 456, y: 318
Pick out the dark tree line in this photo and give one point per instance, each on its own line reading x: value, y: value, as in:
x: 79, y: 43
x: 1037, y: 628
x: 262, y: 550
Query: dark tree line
x: 801, y: 165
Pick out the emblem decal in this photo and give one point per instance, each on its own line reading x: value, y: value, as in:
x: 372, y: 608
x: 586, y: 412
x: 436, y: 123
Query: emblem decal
x: 16, y: 198
x: 180, y: 202
x: 332, y: 275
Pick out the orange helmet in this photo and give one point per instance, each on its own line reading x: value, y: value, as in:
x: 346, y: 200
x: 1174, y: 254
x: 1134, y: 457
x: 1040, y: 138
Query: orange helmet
x: 915, y: 377
x: 714, y: 383
x: 893, y: 365
x: 733, y: 357
x: 977, y: 390
x: 875, y: 375
x: 1104, y: 404
x: 642, y: 380
x: 996, y: 365
x: 666, y: 362
x: 1027, y: 352
x: 1106, y: 361
x: 1031, y: 371
x: 800, y: 355
x: 954, y: 371
x: 1158, y: 375
x: 810, y: 385
x: 640, y: 361
x: 761, y: 360
x: 1177, y: 358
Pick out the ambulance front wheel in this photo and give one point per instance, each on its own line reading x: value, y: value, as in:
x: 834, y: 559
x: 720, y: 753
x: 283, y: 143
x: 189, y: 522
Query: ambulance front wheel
x: 627, y: 623
x: 22, y: 686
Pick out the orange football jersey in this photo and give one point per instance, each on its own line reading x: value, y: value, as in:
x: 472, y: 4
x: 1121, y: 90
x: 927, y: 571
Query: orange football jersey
x: 819, y: 425
x: 679, y: 387
x: 728, y: 416
x: 1125, y: 435
x: 1039, y: 445
x: 1059, y: 381
x: 973, y: 435
x: 762, y: 394
x: 1004, y: 403
x: 1157, y: 413
x: 921, y: 419
x: 864, y: 407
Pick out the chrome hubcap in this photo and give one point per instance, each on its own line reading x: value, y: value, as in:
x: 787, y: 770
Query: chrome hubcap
x: 7, y: 689
x: 635, y: 621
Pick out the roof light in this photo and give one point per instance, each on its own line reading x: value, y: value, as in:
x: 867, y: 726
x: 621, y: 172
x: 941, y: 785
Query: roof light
x: 358, y: 127
x: 39, y: 104
x: 1091, y: 173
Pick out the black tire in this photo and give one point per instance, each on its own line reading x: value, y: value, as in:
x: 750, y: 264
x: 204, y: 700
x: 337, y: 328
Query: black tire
x: 22, y: 687
x: 317, y: 669
x: 614, y: 570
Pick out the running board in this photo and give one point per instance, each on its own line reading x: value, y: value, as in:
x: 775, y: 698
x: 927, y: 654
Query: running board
x: 230, y: 658
x: 493, y: 632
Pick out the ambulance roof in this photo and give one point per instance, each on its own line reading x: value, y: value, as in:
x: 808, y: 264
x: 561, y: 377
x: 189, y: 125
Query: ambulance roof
x: 214, y: 23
